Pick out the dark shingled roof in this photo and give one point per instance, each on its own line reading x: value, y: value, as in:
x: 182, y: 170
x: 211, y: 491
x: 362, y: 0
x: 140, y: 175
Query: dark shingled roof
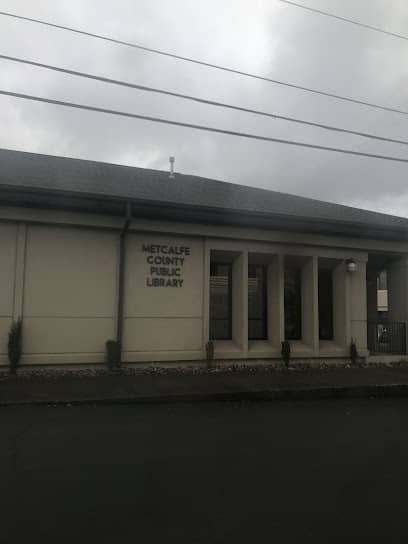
x: 20, y: 171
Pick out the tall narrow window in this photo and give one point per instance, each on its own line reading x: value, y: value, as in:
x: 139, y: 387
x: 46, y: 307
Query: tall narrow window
x: 293, y: 303
x: 325, y: 304
x: 257, y: 306
x: 382, y: 295
x: 382, y: 280
x: 220, y: 301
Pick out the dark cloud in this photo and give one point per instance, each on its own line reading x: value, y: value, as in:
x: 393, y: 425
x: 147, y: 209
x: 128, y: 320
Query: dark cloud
x: 265, y: 37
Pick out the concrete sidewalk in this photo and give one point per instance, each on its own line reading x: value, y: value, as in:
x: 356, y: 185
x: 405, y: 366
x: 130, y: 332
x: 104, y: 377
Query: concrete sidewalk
x: 247, y: 384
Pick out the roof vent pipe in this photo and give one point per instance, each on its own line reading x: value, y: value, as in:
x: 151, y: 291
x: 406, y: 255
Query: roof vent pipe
x: 172, y: 161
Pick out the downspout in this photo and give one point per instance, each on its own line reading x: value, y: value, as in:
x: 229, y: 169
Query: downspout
x: 121, y: 279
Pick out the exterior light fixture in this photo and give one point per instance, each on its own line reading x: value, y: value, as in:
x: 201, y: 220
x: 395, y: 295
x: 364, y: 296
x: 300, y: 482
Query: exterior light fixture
x: 351, y: 265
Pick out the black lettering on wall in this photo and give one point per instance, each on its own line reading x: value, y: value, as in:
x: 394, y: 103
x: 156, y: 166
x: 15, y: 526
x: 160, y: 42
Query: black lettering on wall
x: 165, y: 264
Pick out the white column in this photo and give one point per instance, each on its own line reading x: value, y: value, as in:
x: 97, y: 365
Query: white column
x: 310, y: 305
x: 276, y: 309
x: 358, y: 307
x: 206, y: 296
x: 240, y: 301
x: 341, y: 306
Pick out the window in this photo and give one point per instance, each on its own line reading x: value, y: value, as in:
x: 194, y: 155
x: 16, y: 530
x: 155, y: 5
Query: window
x: 220, y: 301
x: 382, y: 280
x: 293, y: 303
x: 325, y: 304
x: 382, y: 295
x: 257, y: 302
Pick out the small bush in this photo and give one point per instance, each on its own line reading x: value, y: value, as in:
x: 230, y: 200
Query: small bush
x: 210, y: 353
x: 113, y: 354
x: 353, y: 352
x: 285, y: 351
x: 15, y: 345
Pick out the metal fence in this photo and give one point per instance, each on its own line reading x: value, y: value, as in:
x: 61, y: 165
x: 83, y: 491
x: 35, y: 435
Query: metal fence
x: 386, y: 337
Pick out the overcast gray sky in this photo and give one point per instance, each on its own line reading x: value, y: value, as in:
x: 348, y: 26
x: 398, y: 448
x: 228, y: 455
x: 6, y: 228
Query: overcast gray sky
x: 261, y: 36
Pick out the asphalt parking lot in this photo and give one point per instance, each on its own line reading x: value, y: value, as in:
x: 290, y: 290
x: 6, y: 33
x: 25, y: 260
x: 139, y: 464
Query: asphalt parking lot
x: 312, y: 471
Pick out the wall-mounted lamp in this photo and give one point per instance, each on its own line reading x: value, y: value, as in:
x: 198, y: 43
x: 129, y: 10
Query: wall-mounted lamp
x: 351, y: 265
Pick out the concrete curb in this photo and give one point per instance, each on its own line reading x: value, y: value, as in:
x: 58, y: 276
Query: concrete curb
x: 297, y: 393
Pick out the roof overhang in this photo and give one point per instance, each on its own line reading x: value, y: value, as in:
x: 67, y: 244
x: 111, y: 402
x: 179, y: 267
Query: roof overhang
x: 106, y: 204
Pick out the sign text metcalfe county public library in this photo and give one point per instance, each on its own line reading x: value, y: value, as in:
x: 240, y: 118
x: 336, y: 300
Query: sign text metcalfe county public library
x: 165, y: 264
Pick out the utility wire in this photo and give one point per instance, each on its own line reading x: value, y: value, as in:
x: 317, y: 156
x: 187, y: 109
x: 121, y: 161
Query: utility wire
x: 201, y: 100
x: 204, y: 63
x: 199, y: 127
x: 345, y: 19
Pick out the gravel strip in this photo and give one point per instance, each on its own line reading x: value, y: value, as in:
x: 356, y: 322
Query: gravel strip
x: 52, y: 374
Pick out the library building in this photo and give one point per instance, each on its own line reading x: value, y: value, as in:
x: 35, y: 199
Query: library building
x: 167, y: 265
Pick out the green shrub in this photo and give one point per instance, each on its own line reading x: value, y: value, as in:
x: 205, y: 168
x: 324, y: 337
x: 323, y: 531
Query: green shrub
x: 15, y: 345
x: 210, y: 353
x: 285, y: 351
x: 353, y: 352
x: 113, y: 354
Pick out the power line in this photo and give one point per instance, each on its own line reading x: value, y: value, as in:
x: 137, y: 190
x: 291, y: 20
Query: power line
x: 201, y: 100
x: 206, y: 64
x: 199, y: 127
x: 345, y: 19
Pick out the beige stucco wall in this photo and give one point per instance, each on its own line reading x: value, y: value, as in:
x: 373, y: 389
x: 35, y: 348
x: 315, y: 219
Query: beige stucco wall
x: 397, y: 280
x: 8, y: 245
x: 163, y: 321
x: 61, y: 276
x: 397, y: 283
x: 69, y: 294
